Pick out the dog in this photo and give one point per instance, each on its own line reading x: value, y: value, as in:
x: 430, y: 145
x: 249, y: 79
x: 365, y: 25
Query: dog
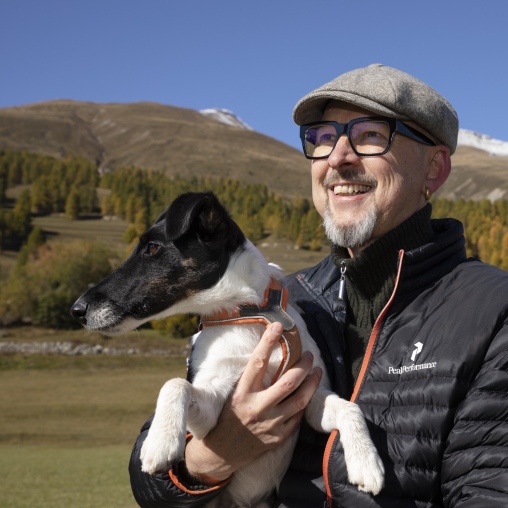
x: 195, y: 259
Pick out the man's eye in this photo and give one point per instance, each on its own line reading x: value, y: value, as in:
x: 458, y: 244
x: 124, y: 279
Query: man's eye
x: 151, y: 249
x: 327, y: 139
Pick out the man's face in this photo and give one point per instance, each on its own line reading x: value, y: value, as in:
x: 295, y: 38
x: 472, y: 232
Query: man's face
x: 362, y: 198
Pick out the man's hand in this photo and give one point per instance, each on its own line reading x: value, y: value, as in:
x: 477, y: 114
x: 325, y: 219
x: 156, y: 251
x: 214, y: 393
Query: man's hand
x: 254, y: 419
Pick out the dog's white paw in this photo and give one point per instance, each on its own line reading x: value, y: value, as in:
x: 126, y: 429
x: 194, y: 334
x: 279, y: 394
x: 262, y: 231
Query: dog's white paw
x: 159, y: 451
x: 366, y: 471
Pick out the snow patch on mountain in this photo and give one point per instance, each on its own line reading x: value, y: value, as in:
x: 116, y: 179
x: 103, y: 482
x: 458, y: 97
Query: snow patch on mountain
x: 483, y: 142
x: 225, y: 116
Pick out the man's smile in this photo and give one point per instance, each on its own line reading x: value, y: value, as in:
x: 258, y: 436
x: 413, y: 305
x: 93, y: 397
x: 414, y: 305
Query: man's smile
x: 350, y: 189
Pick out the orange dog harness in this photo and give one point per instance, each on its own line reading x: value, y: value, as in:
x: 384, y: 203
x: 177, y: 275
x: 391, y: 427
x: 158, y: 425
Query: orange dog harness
x: 272, y: 309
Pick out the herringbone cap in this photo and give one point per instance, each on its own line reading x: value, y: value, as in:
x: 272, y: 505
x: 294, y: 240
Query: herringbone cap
x: 389, y: 92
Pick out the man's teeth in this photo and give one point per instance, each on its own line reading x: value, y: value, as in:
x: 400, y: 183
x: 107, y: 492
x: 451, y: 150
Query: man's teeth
x: 350, y: 189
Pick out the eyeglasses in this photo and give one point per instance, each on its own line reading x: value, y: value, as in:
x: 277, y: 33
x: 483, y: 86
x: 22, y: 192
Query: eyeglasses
x: 367, y: 136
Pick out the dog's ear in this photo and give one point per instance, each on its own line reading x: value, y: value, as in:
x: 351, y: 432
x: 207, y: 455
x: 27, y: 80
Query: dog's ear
x: 202, y: 214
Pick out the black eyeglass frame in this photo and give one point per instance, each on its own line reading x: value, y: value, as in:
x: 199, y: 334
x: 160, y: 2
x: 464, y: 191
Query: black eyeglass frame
x: 341, y: 128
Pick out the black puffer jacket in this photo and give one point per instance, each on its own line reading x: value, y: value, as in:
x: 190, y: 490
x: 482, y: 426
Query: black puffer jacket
x: 434, y: 381
x: 433, y: 387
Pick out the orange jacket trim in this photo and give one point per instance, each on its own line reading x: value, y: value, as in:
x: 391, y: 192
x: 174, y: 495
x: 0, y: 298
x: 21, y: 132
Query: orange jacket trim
x: 359, y: 381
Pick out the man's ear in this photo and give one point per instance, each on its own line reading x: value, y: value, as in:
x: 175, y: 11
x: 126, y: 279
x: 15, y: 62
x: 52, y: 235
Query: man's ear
x: 439, y: 168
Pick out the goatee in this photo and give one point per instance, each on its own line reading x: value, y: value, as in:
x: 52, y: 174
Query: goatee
x: 360, y: 232
x: 351, y: 235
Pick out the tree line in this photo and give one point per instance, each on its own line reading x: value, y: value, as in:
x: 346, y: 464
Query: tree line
x: 70, y: 186
x: 55, y: 186
x: 139, y: 196
x: 47, y: 278
x: 485, y: 224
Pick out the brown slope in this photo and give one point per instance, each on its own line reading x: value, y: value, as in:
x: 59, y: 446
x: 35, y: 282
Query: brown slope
x: 182, y: 141
x: 50, y: 128
x: 476, y: 175
x: 150, y: 135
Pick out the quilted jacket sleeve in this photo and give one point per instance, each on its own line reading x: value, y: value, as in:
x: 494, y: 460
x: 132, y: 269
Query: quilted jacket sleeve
x: 162, y: 490
x: 475, y: 465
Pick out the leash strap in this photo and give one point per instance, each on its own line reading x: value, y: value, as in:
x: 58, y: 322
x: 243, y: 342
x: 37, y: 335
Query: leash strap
x: 272, y: 309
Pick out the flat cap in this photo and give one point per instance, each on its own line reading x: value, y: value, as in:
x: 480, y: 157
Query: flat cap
x: 388, y: 92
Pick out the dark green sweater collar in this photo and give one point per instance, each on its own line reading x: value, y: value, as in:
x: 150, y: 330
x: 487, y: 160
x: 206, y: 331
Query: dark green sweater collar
x: 370, y: 270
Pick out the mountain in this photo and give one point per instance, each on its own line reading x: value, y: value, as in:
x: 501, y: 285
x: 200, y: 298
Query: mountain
x: 479, y: 168
x: 483, y: 142
x: 154, y: 136
x: 225, y: 116
x: 211, y: 142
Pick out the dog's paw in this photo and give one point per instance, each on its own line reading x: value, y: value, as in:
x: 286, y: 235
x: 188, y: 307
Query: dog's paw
x: 159, y: 452
x: 366, y: 471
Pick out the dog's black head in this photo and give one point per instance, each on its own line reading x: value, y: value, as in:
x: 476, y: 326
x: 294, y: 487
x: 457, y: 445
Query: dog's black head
x: 187, y: 249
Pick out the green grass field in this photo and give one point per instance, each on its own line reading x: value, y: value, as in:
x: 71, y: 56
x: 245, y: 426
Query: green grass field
x: 57, y: 226
x: 67, y: 425
x: 48, y: 477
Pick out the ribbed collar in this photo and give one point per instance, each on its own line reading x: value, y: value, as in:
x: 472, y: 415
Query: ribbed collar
x: 372, y: 272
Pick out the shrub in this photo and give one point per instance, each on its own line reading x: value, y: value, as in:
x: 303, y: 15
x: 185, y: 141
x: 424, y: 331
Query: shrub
x: 43, y: 289
x: 179, y: 326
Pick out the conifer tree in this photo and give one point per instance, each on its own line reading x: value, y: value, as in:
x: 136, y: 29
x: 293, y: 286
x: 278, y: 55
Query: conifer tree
x: 72, y: 204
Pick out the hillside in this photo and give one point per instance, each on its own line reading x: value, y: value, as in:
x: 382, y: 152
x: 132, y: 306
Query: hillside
x: 148, y: 135
x: 476, y: 174
x: 187, y: 142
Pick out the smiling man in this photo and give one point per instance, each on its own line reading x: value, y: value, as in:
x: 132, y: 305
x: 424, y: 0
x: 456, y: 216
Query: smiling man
x: 409, y: 328
x: 370, y: 169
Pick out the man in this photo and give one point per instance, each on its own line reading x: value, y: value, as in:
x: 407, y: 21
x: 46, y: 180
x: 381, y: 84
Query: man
x: 418, y: 338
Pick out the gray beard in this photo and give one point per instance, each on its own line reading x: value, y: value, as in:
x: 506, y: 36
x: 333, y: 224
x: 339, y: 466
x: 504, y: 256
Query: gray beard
x: 351, y: 236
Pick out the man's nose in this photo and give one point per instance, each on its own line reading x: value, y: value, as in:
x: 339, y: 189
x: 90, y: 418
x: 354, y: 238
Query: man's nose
x: 342, y: 153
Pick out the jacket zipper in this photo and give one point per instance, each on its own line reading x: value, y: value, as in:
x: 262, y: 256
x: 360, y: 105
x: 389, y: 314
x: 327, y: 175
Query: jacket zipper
x: 359, y: 381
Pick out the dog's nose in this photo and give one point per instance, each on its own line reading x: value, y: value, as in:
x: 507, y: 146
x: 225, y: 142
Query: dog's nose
x: 78, y: 311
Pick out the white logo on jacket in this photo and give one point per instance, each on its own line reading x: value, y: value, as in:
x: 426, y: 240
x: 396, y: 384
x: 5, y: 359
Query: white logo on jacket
x: 413, y: 367
x: 417, y: 351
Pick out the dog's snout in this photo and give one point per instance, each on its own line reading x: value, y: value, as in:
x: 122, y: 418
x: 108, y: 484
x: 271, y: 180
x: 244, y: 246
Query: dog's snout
x: 78, y: 311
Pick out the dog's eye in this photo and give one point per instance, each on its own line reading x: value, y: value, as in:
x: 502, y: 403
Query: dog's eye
x: 151, y: 249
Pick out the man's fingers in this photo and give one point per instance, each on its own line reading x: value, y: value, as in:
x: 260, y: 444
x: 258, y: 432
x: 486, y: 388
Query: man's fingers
x: 288, y: 396
x: 292, y: 381
x: 258, y: 362
x: 286, y: 416
x: 298, y: 401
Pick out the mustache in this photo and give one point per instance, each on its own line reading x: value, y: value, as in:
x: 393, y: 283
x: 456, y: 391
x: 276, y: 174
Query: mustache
x: 351, y: 176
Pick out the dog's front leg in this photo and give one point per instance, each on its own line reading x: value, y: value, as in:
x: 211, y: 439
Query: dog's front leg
x: 204, y: 409
x: 180, y: 406
x: 326, y: 412
x: 165, y: 441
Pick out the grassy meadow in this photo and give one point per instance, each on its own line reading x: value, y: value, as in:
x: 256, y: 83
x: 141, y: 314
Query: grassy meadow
x: 67, y: 424
x: 47, y: 477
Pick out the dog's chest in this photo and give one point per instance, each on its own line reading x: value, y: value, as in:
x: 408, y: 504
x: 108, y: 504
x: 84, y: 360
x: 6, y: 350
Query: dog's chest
x: 220, y: 355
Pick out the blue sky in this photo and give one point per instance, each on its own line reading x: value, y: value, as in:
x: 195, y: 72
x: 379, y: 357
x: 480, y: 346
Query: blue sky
x: 256, y: 58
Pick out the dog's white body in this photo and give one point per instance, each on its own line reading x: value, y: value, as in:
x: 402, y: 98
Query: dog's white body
x: 220, y: 354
